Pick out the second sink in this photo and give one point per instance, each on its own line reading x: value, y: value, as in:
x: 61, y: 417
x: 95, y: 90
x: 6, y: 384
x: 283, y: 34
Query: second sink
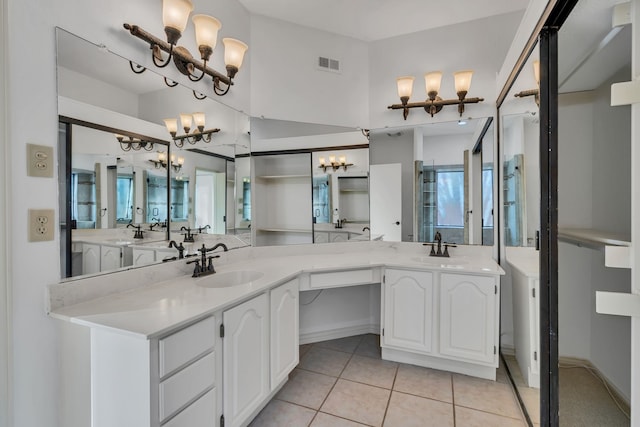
x: 229, y: 278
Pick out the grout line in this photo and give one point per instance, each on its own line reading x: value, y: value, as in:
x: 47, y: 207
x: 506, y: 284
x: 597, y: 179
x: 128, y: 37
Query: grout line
x: 343, y: 418
x: 393, y: 384
x: 453, y: 399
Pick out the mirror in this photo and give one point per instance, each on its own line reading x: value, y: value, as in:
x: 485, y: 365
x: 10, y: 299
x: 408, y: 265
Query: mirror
x: 284, y: 180
x: 125, y: 202
x: 443, y: 177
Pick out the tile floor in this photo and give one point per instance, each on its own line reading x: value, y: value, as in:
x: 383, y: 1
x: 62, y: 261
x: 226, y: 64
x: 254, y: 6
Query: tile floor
x: 345, y: 383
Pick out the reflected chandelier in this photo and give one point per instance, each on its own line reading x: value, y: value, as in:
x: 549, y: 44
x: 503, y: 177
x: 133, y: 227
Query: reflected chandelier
x: 186, y: 120
x: 434, y: 103
x: 175, y: 14
x: 135, y: 144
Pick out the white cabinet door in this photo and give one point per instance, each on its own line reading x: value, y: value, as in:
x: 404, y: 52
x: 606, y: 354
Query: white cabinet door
x: 468, y: 317
x: 284, y: 331
x: 246, y: 359
x: 408, y: 310
x: 339, y: 237
x: 110, y: 258
x: 90, y: 258
x: 144, y: 256
x: 320, y: 237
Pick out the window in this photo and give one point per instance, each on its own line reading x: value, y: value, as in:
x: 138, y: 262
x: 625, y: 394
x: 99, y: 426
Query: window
x: 124, y: 198
x: 450, y: 198
x: 487, y: 198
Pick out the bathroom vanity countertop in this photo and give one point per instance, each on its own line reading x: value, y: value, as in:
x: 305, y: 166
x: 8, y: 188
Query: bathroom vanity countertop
x: 152, y: 310
x: 524, y: 259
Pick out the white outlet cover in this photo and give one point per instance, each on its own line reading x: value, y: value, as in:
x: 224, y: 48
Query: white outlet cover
x: 39, y: 161
x: 41, y: 225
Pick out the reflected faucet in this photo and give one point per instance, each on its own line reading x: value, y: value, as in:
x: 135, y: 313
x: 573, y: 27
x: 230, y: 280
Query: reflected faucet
x: 188, y: 237
x: 138, y: 233
x: 200, y: 229
x: 365, y: 228
x: 180, y: 248
x: 437, y: 238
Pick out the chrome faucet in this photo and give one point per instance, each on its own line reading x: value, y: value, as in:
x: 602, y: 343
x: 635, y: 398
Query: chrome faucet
x: 204, y: 265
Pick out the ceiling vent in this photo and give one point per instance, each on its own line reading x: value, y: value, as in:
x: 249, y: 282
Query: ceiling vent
x: 328, y: 64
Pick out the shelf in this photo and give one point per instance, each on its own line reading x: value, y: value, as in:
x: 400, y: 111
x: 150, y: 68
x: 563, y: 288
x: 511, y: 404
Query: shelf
x: 591, y: 238
x: 354, y: 191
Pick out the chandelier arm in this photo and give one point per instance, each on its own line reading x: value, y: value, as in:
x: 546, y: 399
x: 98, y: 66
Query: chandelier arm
x: 217, y: 90
x: 156, y: 55
x: 125, y: 146
x: 197, y: 79
x: 200, y: 98
x: 149, y: 145
x: 207, y: 137
x: 166, y: 47
x: 166, y: 81
x: 137, y: 68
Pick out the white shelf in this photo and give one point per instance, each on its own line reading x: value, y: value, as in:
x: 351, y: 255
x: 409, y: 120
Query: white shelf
x: 596, y: 239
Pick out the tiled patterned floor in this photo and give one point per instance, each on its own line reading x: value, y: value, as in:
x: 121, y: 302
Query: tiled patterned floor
x: 346, y: 383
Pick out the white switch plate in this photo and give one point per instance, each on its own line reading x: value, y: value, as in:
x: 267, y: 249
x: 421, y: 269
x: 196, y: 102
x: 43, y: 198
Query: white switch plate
x: 41, y: 225
x: 39, y: 161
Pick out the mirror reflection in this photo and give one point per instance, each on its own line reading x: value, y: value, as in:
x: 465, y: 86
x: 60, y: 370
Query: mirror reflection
x: 317, y: 193
x: 129, y: 190
x: 442, y: 174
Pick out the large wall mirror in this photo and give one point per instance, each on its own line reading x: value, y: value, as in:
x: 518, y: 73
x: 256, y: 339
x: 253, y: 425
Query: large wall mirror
x: 310, y: 183
x: 128, y: 189
x: 441, y: 176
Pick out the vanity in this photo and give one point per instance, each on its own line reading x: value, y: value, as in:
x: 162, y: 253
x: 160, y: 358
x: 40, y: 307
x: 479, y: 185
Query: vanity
x: 214, y: 350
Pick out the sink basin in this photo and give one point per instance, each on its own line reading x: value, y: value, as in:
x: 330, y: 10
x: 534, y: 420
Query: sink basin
x: 229, y: 278
x: 441, y: 262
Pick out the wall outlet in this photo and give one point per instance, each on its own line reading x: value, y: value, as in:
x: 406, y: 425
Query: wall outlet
x: 39, y: 161
x: 41, y: 225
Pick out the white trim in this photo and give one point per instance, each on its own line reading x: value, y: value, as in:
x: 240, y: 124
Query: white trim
x: 6, y: 380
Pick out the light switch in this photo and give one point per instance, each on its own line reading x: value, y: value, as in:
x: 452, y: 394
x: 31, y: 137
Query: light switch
x: 39, y: 161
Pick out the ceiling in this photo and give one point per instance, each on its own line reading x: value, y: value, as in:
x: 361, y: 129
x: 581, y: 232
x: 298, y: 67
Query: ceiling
x: 371, y: 20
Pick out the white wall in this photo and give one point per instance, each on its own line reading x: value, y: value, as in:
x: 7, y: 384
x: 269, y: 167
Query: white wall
x: 286, y: 83
x: 95, y: 92
x: 480, y: 45
x: 31, y: 90
x: 446, y: 150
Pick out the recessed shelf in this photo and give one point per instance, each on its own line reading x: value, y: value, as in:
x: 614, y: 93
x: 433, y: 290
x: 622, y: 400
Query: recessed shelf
x: 592, y: 238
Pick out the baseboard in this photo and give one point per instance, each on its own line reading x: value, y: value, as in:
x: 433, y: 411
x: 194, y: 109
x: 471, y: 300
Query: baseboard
x: 614, y: 390
x: 336, y: 333
x: 508, y: 350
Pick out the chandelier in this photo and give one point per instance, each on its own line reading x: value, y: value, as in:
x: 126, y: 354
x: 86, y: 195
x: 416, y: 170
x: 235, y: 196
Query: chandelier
x: 186, y: 120
x: 434, y: 103
x: 131, y: 143
x: 175, y: 14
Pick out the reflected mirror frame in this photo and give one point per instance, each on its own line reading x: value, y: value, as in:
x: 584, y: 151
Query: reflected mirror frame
x: 67, y: 167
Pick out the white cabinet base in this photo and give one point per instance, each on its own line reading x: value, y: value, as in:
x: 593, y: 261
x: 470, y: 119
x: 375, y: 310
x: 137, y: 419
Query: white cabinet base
x: 472, y: 369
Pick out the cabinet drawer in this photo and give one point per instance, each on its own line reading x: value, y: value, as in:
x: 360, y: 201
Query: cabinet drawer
x: 178, y: 349
x: 342, y: 278
x: 180, y: 388
x: 201, y: 413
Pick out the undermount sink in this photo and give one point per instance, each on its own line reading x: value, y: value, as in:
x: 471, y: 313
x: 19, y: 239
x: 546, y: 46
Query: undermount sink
x: 229, y: 278
x: 441, y: 262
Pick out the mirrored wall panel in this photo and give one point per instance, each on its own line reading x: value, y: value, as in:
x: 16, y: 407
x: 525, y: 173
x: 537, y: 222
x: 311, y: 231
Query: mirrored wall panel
x: 129, y: 188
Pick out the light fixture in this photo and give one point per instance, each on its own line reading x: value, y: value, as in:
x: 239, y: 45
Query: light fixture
x: 161, y: 162
x: 434, y: 103
x: 335, y: 165
x: 533, y: 92
x: 130, y: 143
x: 175, y: 14
x: 186, y: 120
